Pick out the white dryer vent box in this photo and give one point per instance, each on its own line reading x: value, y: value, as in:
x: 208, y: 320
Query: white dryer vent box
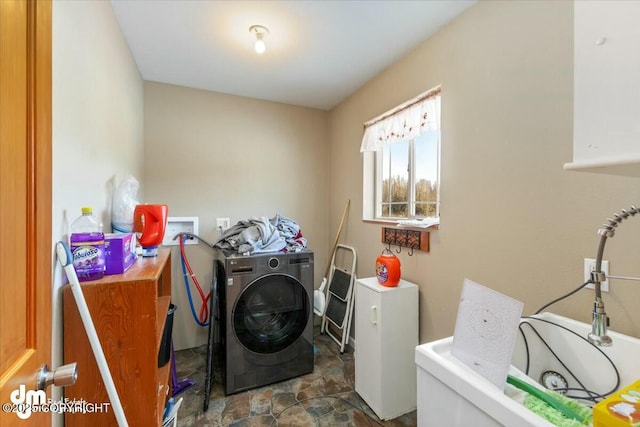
x: 180, y: 224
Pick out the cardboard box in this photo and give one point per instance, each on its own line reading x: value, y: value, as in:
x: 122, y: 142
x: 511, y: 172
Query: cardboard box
x: 120, y: 252
x: 621, y: 409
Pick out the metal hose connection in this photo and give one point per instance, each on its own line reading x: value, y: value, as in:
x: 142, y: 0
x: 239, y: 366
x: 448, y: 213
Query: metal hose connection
x: 600, y: 320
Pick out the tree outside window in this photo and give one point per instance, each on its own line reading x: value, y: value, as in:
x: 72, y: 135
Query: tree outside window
x: 408, y: 178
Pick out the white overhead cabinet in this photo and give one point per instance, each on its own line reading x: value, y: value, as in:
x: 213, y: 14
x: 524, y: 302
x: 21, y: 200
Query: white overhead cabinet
x: 386, y: 322
x: 606, y: 127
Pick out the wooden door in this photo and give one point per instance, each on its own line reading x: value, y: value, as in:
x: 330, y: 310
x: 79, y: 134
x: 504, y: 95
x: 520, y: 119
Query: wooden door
x: 26, y: 250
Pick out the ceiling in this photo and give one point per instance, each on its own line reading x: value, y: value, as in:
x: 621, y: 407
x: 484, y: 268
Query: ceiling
x: 318, y: 52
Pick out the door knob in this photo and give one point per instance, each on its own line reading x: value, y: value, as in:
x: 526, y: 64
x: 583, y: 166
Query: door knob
x: 62, y: 377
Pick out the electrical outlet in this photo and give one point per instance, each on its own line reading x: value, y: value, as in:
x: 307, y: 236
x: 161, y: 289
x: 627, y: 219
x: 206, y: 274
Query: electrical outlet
x: 589, y: 266
x: 180, y: 224
x: 222, y: 224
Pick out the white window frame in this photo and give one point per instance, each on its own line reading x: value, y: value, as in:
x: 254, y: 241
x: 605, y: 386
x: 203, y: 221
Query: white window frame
x: 372, y: 191
x: 411, y: 184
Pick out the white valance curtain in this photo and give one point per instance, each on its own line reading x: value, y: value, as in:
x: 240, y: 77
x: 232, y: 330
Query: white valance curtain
x: 406, y: 121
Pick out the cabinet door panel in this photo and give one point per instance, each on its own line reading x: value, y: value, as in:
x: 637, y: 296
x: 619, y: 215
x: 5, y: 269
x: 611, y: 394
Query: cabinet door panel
x: 606, y: 90
x: 368, y: 346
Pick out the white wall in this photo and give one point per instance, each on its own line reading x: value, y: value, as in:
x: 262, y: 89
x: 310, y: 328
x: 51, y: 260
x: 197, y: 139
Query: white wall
x: 97, y: 124
x: 214, y: 155
x: 512, y: 218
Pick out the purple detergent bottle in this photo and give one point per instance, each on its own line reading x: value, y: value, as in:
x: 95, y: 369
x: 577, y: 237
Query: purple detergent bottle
x: 87, y: 246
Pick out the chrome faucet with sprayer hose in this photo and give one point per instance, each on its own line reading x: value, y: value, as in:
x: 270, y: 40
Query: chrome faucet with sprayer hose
x: 600, y: 321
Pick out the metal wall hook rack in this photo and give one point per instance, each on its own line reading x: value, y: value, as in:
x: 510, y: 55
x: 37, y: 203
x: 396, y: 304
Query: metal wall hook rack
x: 406, y: 238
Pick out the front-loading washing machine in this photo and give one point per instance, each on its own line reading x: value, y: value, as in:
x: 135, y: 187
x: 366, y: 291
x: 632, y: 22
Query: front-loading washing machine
x: 266, y: 317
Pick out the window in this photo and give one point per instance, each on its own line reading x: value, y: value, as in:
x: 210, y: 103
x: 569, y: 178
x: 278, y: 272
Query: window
x: 402, y: 161
x: 407, y: 177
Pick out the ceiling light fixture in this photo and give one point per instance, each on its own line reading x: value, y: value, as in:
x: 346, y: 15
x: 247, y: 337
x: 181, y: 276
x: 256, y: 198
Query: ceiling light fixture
x: 260, y: 32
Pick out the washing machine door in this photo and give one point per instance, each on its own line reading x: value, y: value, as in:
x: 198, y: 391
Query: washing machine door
x: 271, y: 313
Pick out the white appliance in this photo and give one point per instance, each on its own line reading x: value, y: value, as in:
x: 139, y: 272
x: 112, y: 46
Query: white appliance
x: 386, y: 335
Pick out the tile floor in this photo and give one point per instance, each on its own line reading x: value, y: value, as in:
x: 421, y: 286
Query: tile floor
x: 325, y: 397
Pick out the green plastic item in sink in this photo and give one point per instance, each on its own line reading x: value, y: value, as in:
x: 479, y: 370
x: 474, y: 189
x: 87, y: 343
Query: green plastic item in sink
x: 549, y: 399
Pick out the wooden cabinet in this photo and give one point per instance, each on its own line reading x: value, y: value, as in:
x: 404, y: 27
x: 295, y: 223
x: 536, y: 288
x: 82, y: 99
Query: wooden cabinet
x: 386, y: 322
x: 606, y: 129
x: 129, y: 312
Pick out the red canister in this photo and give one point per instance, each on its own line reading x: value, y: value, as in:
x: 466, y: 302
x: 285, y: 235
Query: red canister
x: 149, y: 223
x: 388, y: 269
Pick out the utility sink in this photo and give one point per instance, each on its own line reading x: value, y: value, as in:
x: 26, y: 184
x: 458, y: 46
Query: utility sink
x: 450, y: 393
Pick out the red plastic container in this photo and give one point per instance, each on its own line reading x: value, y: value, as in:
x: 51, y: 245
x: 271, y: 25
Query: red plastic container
x: 149, y: 223
x: 388, y: 269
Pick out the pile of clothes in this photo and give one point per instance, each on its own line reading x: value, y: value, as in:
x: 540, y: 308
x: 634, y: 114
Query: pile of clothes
x: 261, y: 234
